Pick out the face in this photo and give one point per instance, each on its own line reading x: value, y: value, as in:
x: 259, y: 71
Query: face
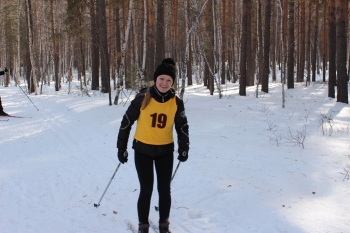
x: 164, y: 83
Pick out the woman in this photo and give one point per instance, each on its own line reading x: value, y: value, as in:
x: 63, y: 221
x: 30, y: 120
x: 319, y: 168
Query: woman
x: 157, y: 109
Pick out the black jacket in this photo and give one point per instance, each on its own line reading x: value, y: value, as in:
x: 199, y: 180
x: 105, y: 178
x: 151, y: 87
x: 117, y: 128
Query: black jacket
x: 132, y: 114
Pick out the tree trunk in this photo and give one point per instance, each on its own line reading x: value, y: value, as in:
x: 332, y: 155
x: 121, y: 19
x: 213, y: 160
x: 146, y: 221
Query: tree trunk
x: 251, y: 45
x: 291, y: 44
x: 265, y: 80
x: 189, y: 56
x: 315, y: 46
x: 274, y: 40
x: 261, y: 45
x: 300, y: 76
x: 233, y: 64
x: 224, y: 44
x: 55, y: 49
x: 189, y: 62
x: 341, y: 18
x: 308, y: 40
x: 117, y: 45
x: 31, y: 48
x: 332, y: 46
x: 324, y: 40
x: 18, y: 69
x: 244, y: 45
x: 104, y: 55
x: 160, y: 32
x: 285, y: 32
x: 151, y: 38
x: 95, y: 61
x: 122, y: 61
x: 144, y: 45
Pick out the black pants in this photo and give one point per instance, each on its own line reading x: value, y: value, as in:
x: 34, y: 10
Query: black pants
x: 164, y: 169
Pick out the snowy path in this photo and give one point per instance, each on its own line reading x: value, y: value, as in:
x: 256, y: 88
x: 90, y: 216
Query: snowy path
x: 56, y: 165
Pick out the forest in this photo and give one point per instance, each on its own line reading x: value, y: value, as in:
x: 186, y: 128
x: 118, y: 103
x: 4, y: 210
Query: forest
x: 116, y: 44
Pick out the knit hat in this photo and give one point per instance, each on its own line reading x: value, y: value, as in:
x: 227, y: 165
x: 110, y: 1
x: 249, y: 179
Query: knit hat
x: 166, y: 67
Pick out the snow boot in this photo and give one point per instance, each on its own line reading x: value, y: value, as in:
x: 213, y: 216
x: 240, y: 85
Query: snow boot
x: 164, y: 227
x: 143, y: 228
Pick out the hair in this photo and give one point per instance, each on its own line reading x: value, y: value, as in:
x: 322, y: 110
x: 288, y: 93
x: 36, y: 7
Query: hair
x: 146, y: 100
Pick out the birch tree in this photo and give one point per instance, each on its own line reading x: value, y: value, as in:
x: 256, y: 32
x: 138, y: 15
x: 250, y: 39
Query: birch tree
x: 188, y: 33
x: 122, y: 61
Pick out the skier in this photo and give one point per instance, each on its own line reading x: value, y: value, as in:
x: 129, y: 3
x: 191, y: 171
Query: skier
x: 157, y: 109
x: 2, y: 113
x: 4, y: 71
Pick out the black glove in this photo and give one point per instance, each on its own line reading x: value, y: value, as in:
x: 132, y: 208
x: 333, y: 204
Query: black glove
x: 183, y: 154
x: 123, y: 155
x: 6, y: 70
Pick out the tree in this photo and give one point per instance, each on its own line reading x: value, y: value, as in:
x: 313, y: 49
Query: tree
x: 151, y: 41
x: 301, y: 65
x: 291, y: 44
x: 94, y: 46
x: 261, y: 45
x: 224, y: 44
x: 123, y: 54
x: 315, y: 44
x: 274, y: 34
x: 324, y: 40
x: 104, y: 55
x: 31, y: 49
x: 232, y: 45
x: 341, y: 18
x: 244, y: 45
x: 55, y: 48
x: 208, y: 55
x: 266, y: 72
x: 160, y: 32
x: 332, y: 46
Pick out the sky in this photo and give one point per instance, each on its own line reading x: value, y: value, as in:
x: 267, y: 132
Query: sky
x: 253, y: 167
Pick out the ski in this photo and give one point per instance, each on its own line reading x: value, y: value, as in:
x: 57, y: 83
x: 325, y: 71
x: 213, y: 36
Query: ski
x: 153, y: 226
x: 5, y: 120
x: 130, y: 226
x: 18, y: 116
x: 15, y: 116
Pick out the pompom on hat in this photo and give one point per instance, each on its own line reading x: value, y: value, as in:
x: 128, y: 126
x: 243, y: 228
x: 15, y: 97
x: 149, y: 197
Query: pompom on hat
x: 166, y: 67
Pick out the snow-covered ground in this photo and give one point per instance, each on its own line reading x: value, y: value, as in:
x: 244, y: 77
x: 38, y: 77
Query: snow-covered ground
x: 247, y: 169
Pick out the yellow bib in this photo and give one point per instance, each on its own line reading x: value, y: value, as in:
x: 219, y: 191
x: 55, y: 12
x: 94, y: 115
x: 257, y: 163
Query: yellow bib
x: 155, y: 123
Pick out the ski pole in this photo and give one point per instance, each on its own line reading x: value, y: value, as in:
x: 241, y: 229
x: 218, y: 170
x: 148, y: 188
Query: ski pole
x: 98, y: 204
x: 177, y: 167
x: 28, y: 97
